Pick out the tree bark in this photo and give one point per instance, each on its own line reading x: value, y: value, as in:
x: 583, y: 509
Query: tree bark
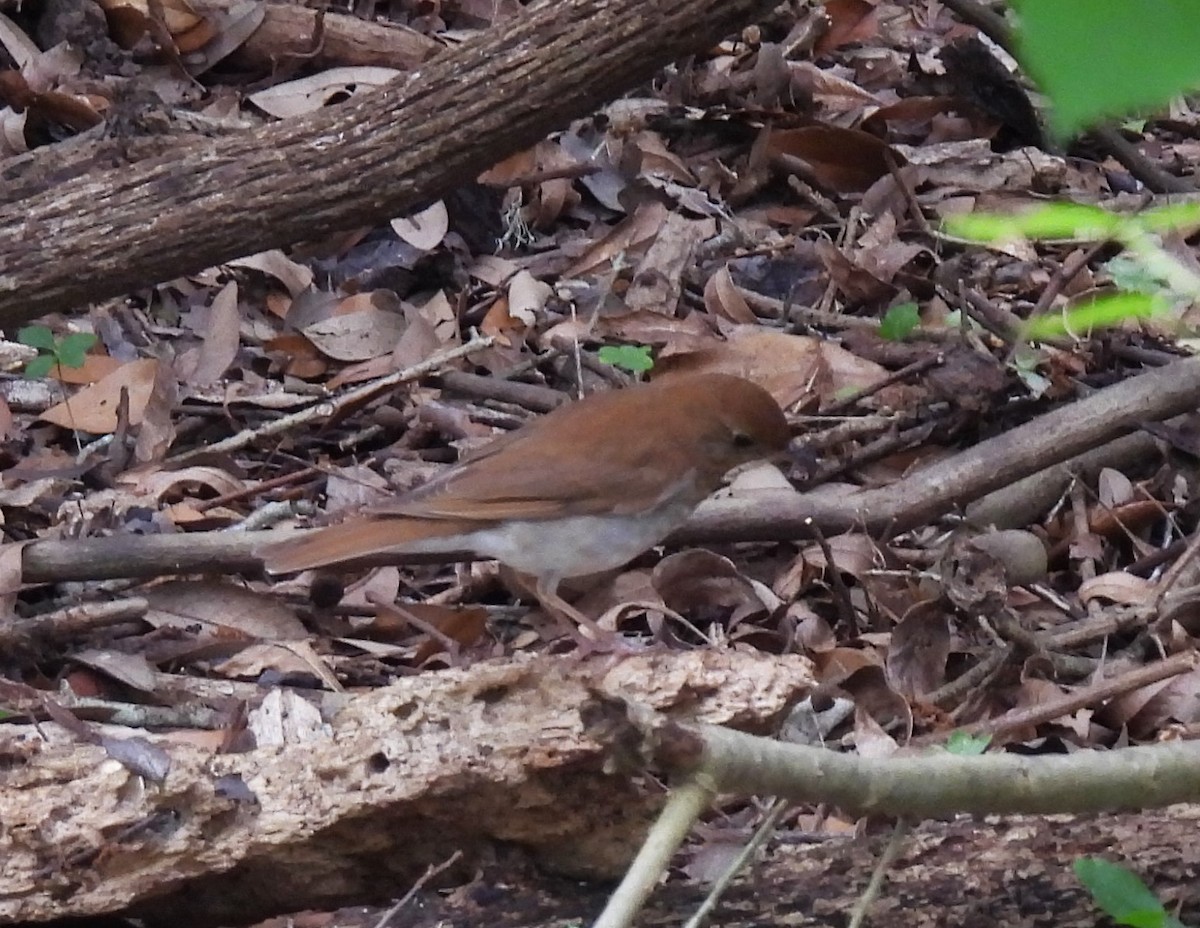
x: 364, y: 162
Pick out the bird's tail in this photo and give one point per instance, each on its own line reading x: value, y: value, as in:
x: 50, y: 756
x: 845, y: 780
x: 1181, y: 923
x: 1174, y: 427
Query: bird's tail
x: 361, y: 541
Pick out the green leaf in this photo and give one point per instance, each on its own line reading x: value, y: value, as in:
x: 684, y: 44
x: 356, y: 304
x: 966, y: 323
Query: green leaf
x: 1110, y: 309
x: 1075, y: 221
x: 74, y: 348
x: 634, y: 358
x: 1185, y: 216
x: 899, y: 321
x: 36, y: 336
x: 1121, y: 894
x: 1108, y: 57
x: 967, y: 745
x: 40, y: 366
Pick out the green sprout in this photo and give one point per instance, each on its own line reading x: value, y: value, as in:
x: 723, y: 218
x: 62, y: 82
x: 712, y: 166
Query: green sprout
x: 899, y: 321
x: 68, y: 351
x: 633, y: 358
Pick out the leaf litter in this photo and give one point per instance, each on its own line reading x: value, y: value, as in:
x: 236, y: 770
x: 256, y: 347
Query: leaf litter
x: 753, y: 212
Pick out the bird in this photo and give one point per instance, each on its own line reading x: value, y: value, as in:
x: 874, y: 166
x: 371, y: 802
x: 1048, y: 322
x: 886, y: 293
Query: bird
x: 582, y: 489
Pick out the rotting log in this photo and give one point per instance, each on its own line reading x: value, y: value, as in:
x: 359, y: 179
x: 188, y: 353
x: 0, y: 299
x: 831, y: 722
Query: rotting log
x: 477, y: 760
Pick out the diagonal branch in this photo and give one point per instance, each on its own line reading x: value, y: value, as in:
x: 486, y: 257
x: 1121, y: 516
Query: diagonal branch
x: 364, y: 162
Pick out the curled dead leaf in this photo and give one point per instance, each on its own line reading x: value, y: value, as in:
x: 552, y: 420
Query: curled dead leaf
x: 1118, y: 587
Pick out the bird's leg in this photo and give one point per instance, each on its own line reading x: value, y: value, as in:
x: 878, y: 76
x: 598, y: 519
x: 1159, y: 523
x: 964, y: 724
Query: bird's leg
x: 575, y: 623
x: 570, y: 619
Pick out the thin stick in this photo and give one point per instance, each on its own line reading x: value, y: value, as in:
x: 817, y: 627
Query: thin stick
x: 330, y: 407
x: 684, y: 806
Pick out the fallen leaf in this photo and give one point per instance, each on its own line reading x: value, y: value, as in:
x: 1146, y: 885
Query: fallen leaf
x: 424, y: 230
x: 94, y: 408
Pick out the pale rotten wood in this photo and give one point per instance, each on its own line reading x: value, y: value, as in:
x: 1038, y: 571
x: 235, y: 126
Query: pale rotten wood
x: 470, y: 760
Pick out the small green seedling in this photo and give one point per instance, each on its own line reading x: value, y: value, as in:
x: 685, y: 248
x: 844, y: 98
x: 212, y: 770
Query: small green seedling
x: 966, y: 745
x: 1122, y: 895
x: 633, y: 358
x: 899, y: 321
x: 68, y: 351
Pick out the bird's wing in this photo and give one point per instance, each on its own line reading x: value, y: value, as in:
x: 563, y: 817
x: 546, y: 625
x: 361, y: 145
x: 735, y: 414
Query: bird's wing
x: 556, y: 467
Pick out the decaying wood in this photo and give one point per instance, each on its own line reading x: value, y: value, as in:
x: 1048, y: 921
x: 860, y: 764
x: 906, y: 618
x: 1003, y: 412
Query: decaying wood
x: 399, y: 779
x: 348, y: 166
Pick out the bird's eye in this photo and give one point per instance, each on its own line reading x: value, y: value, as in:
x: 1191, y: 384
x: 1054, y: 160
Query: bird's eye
x: 742, y: 440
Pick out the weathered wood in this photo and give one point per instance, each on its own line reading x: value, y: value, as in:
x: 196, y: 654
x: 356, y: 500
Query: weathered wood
x: 364, y: 162
x: 494, y: 755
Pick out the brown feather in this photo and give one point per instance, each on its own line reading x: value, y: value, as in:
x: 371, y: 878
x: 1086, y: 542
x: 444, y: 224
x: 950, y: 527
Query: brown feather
x: 653, y: 448
x: 361, y: 538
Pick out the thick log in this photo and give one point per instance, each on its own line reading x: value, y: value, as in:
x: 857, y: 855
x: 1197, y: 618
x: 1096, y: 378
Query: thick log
x: 364, y: 162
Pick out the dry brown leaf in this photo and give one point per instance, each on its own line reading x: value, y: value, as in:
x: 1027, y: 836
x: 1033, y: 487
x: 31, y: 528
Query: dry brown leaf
x: 357, y: 336
x: 295, y: 277
x: 700, y: 583
x: 95, y: 367
x: 510, y: 170
x: 858, y: 286
x: 527, y: 296
x: 723, y: 298
x: 844, y: 160
x: 158, y: 484
x: 229, y: 27
x: 131, y: 669
x: 658, y: 281
x: 157, y: 430
x: 644, y: 327
x: 222, y: 336
x: 1146, y: 711
x: 492, y: 270
x: 849, y: 21
x: 292, y: 657
x: 500, y: 323
x: 11, y: 580
x: 854, y: 554
x: 918, y: 650
x: 1118, y: 587
x: 791, y: 367
x: 875, y: 700
x: 94, y: 408
x: 221, y: 605
x: 307, y: 94
x: 178, y: 15
x: 633, y: 231
x: 19, y: 46
x: 351, y: 488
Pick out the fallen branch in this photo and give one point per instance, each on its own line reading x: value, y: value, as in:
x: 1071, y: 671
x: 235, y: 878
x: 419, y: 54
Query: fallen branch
x: 713, y: 760
x: 363, y: 162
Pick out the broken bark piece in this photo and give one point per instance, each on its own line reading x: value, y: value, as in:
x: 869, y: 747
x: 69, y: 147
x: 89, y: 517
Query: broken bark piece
x: 400, y: 778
